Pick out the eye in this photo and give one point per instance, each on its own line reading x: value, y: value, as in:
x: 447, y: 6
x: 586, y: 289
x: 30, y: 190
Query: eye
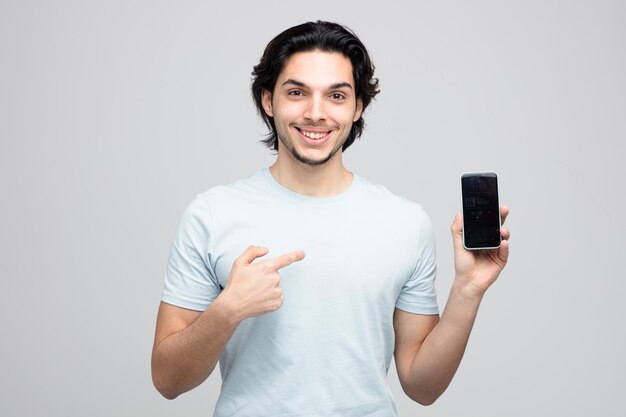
x: 338, y: 96
x: 294, y: 93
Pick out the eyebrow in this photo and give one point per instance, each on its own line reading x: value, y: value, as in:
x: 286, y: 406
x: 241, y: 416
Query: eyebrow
x: 332, y: 86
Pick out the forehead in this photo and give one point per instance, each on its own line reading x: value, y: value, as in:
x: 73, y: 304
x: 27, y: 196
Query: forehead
x: 317, y: 68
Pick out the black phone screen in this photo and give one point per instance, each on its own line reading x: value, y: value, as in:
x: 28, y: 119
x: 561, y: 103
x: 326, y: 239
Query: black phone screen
x: 481, y: 210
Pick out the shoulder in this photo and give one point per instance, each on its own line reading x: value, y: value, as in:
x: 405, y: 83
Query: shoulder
x: 242, y: 189
x: 397, y: 212
x: 222, y: 203
x: 381, y: 195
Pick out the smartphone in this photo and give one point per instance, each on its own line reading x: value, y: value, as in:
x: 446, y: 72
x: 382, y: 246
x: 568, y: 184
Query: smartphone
x: 481, y: 210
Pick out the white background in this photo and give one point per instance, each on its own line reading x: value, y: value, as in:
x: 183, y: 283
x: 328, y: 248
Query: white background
x: 115, y: 114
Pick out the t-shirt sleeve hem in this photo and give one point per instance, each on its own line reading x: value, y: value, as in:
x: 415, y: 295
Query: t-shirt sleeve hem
x: 184, y: 304
x: 409, y: 308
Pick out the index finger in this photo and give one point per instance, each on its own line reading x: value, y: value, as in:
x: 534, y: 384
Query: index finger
x: 282, y: 261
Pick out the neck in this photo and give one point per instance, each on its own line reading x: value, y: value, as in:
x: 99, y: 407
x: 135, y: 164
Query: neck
x: 320, y: 181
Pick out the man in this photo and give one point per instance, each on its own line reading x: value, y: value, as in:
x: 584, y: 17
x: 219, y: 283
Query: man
x: 314, y: 335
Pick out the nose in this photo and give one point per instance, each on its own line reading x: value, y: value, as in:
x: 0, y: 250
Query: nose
x: 315, y: 108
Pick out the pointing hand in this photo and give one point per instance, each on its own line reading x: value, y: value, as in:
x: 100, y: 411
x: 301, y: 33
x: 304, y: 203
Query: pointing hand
x: 253, y: 288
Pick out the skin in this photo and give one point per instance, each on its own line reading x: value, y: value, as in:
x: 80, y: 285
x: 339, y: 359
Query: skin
x: 315, y: 93
x: 428, y: 350
x: 188, y: 343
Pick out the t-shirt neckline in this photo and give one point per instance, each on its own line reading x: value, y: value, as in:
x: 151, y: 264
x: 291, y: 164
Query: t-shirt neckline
x: 304, y: 199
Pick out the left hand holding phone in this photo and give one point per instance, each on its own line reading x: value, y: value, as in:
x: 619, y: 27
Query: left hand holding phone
x: 476, y: 271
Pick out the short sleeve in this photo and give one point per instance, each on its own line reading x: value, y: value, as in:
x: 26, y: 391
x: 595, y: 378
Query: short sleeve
x: 418, y: 294
x: 190, y: 281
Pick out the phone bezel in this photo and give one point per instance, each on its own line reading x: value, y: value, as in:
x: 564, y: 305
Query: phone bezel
x: 479, y: 173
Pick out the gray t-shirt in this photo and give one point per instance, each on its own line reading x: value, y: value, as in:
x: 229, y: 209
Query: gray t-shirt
x: 327, y: 350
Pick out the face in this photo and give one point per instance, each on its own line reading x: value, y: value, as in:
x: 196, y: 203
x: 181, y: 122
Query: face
x: 314, y: 105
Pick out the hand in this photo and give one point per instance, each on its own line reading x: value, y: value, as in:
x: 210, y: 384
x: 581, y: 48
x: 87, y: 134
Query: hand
x: 477, y: 270
x: 253, y: 289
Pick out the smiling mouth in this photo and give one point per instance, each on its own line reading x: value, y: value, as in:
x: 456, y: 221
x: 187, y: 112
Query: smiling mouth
x: 313, y: 135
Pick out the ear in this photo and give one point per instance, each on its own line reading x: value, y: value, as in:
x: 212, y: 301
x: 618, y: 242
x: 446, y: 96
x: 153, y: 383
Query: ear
x: 359, y: 110
x: 266, y: 101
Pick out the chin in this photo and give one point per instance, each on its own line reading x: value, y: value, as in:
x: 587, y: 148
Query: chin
x: 310, y: 156
x: 313, y: 161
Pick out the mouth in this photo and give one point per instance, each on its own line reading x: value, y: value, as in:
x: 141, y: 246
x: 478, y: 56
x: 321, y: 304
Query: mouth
x: 314, y: 136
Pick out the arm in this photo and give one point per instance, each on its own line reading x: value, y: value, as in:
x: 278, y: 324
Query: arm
x: 188, y: 344
x: 428, y: 351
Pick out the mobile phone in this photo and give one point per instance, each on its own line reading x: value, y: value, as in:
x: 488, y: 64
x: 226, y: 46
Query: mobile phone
x: 481, y: 210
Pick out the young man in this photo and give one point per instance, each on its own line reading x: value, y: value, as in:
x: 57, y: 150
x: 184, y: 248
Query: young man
x: 313, y: 335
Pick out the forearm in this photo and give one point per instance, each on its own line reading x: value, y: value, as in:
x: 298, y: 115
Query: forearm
x: 186, y: 358
x: 441, y: 352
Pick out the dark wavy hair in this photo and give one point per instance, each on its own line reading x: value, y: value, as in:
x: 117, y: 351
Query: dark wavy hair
x: 310, y: 36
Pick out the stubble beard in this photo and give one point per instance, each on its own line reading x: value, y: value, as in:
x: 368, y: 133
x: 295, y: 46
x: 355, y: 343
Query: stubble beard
x: 288, y: 144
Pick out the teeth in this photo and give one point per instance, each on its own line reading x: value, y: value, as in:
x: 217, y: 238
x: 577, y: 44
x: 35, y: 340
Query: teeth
x: 313, y: 135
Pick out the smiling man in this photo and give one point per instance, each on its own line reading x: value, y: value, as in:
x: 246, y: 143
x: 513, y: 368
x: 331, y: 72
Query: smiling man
x: 312, y: 331
x: 310, y: 103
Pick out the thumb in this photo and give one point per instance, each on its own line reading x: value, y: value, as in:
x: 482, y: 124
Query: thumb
x: 457, y: 231
x: 251, y: 254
